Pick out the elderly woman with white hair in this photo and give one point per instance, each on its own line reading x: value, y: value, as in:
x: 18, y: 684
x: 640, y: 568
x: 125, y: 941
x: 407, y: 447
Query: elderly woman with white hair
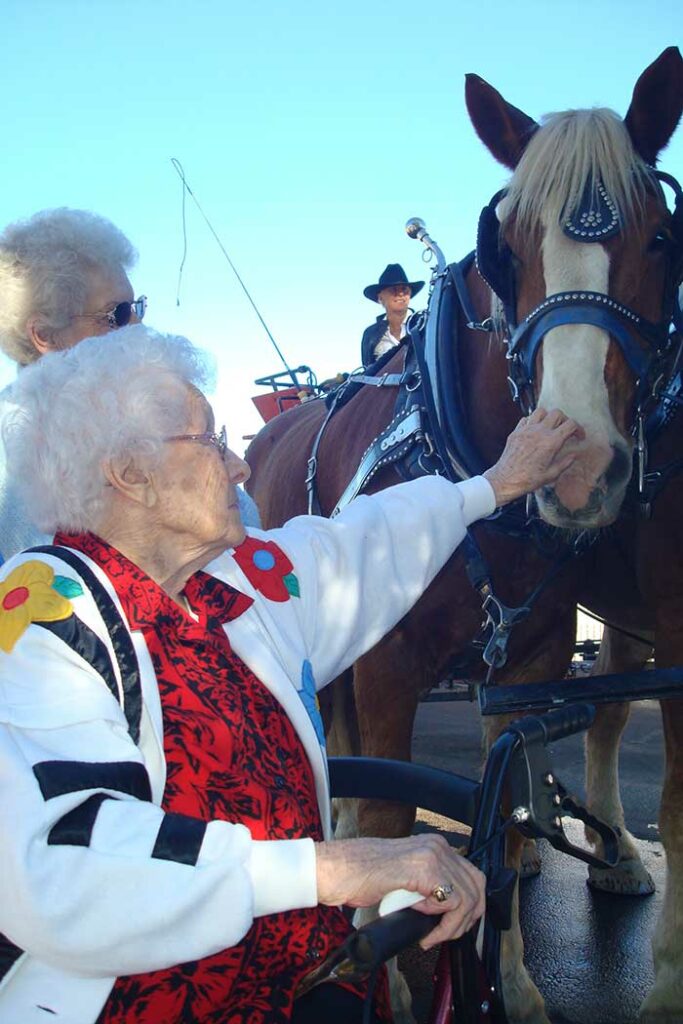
x: 63, y: 277
x: 165, y: 845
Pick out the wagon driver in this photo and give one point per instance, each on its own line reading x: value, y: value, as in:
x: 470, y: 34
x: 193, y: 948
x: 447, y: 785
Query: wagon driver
x: 393, y: 291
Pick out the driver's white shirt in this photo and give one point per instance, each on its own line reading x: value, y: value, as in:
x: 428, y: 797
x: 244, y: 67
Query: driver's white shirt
x: 388, y: 341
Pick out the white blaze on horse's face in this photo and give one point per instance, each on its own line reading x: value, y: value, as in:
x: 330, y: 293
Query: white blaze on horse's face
x: 573, y: 380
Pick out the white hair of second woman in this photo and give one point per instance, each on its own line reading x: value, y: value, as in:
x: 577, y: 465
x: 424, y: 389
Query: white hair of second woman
x: 75, y: 409
x: 46, y: 263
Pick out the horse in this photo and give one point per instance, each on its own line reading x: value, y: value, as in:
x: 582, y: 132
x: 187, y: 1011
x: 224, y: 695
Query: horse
x: 572, y: 276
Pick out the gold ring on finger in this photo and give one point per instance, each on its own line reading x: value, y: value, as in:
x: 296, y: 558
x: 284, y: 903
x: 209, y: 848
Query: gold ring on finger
x: 442, y: 892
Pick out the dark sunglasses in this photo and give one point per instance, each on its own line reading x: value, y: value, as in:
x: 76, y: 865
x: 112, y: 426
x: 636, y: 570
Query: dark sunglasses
x: 121, y: 315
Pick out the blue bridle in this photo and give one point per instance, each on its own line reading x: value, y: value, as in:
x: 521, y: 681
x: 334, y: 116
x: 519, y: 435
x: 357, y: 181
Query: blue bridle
x: 598, y: 310
x: 595, y: 220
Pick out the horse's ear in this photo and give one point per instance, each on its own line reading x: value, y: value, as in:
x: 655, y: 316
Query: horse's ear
x: 657, y: 105
x: 503, y: 129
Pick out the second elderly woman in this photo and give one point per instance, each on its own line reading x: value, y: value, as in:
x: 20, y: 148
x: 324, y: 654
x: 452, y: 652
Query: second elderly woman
x: 63, y: 277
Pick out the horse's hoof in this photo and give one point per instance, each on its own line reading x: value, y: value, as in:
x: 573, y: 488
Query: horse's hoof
x: 532, y: 1015
x: 523, y: 1002
x: 530, y: 863
x: 628, y: 878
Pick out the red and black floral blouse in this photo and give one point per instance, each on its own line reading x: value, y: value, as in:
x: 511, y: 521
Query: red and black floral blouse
x: 231, y: 754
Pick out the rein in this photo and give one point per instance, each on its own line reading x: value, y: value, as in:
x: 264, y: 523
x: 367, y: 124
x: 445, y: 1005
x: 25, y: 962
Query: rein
x: 394, y: 443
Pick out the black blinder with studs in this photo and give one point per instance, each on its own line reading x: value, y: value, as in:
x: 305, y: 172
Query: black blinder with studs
x: 595, y: 218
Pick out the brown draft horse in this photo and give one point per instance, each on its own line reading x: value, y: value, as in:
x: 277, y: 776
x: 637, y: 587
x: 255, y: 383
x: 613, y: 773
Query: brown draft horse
x: 578, y: 367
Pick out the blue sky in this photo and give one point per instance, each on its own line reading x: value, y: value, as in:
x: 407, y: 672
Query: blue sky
x: 309, y: 134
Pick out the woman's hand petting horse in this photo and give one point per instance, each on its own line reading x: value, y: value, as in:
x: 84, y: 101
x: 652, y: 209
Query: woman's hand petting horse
x: 537, y: 452
x: 359, y: 872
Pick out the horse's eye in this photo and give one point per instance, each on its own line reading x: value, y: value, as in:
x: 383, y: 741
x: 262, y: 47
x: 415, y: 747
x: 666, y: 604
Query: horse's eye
x: 517, y: 263
x: 660, y: 241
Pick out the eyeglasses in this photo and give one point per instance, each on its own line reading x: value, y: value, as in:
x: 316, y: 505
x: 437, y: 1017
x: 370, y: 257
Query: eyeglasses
x: 120, y: 315
x: 218, y: 441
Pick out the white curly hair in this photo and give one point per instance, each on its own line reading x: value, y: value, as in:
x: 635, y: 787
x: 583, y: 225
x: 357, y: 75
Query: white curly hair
x: 74, y: 409
x: 45, y: 266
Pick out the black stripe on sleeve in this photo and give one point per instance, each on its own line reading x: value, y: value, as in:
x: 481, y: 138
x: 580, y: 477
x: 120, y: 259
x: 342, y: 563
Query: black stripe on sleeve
x: 9, y: 954
x: 58, y: 777
x: 118, y: 632
x: 179, y: 838
x: 75, y: 828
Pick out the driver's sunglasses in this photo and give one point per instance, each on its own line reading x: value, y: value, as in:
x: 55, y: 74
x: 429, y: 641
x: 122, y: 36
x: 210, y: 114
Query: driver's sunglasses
x: 218, y: 441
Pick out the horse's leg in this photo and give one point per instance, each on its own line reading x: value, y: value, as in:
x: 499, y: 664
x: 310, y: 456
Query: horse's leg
x: 618, y: 653
x: 387, y: 683
x: 549, y: 660
x: 530, y: 862
x: 523, y: 1002
x: 339, y: 715
x: 664, y: 1004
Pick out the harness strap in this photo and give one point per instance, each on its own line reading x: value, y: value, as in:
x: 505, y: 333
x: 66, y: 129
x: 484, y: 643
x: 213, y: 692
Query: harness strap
x: 392, y: 444
x: 410, y: 380
x: 501, y: 618
x: 385, y: 380
x: 314, y: 507
x: 458, y: 278
x: 655, y: 481
x: 452, y: 468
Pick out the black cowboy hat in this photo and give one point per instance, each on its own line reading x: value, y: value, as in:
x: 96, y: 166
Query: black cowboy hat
x: 394, y: 274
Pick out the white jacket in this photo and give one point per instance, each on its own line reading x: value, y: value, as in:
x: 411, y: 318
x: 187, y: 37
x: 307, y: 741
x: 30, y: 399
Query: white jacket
x: 87, y: 914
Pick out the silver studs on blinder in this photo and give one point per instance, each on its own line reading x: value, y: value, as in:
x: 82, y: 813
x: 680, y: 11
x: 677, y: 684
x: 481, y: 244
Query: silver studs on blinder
x: 589, y: 219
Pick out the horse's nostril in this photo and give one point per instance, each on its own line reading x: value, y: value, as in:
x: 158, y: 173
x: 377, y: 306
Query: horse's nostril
x: 595, y: 501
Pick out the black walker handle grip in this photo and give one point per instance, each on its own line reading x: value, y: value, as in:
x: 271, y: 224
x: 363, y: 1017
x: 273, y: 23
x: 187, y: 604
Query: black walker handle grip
x: 387, y: 936
x: 555, y: 725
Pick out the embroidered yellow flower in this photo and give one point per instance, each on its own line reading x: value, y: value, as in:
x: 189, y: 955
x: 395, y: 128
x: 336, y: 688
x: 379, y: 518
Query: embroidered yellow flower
x: 30, y: 594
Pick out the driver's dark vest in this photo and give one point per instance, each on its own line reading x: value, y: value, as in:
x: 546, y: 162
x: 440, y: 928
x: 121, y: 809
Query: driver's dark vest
x: 371, y: 335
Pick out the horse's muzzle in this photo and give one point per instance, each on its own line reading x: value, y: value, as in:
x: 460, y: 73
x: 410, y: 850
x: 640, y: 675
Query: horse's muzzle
x: 604, y: 499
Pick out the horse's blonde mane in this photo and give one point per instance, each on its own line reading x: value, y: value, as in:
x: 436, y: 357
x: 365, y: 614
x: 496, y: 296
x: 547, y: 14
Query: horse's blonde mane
x: 570, y: 149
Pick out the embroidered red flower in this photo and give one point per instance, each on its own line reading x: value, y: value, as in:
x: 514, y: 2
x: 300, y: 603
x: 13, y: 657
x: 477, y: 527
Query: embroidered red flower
x: 267, y: 568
